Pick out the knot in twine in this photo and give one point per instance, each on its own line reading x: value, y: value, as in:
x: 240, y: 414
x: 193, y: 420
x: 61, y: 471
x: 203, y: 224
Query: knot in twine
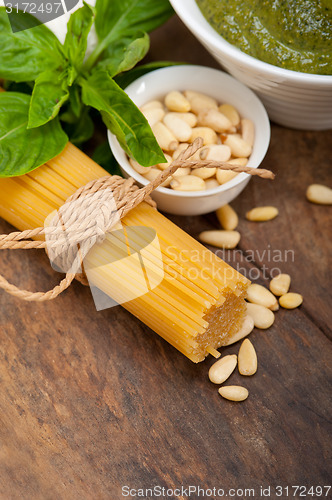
x: 87, y: 215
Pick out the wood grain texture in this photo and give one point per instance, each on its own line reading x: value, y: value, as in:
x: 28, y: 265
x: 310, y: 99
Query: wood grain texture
x: 91, y: 401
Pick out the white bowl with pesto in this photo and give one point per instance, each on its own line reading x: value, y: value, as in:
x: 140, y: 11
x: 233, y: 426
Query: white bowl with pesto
x: 293, y: 99
x: 223, y: 88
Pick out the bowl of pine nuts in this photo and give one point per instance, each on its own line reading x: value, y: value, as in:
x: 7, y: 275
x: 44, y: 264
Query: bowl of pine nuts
x: 182, y: 103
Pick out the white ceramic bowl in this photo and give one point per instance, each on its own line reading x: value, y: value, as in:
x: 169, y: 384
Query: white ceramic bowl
x: 224, y: 88
x: 293, y: 99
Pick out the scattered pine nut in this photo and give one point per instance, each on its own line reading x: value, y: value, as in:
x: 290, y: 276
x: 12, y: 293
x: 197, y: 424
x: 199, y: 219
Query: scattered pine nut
x: 262, y: 316
x: 188, y: 183
x: 231, y: 113
x: 290, y: 300
x: 175, y: 101
x: 247, y: 358
x: 233, y: 392
x: 320, y: 194
x: 227, y: 217
x: 262, y: 214
x: 258, y: 294
x: 246, y: 328
x: 222, y: 369
x: 220, y: 238
x: 280, y: 284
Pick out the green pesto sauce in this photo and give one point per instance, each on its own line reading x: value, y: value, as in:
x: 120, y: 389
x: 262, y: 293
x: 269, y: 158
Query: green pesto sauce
x: 291, y: 34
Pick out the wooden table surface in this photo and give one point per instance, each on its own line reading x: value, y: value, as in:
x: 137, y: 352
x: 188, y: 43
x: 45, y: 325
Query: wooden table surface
x: 93, y: 401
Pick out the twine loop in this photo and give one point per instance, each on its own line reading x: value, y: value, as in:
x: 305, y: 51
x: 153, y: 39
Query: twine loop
x: 86, y: 217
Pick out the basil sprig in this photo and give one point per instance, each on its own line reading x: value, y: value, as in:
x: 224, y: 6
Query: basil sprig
x: 67, y: 84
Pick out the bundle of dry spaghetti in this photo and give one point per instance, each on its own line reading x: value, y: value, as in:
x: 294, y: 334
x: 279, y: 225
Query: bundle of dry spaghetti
x: 180, y: 289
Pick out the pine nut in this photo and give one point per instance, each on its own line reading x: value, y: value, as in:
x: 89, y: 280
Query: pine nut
x: 151, y: 105
x: 247, y: 358
x: 189, y: 118
x: 182, y: 171
x: 179, y: 128
x: 154, y: 115
x: 262, y: 214
x: 175, y: 101
x: 204, y: 172
x: 153, y: 173
x: 196, y: 156
x: 246, y: 328
x: 320, y: 194
x: 214, y: 119
x: 262, y: 316
x: 291, y: 300
x: 248, y: 131
x: 227, y: 217
x: 258, y: 294
x: 163, y: 166
x: 217, y: 152
x: 222, y: 369
x: 238, y: 161
x: 211, y: 184
x: 233, y: 392
x: 200, y: 101
x: 188, y: 183
x: 231, y: 113
x: 224, y: 176
x: 181, y: 147
x: 164, y: 136
x: 139, y: 168
x: 238, y: 146
x: 220, y: 238
x: 280, y: 284
x: 208, y: 135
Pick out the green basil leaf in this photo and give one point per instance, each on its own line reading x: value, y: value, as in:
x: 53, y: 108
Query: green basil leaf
x: 116, y: 18
x: 125, y: 53
x: 27, y: 53
x: 22, y: 149
x: 78, y: 28
x: 128, y: 77
x: 75, y: 100
x: 49, y: 94
x: 122, y: 117
x: 82, y: 129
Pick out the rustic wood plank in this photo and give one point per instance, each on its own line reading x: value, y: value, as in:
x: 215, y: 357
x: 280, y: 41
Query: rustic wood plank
x: 91, y: 401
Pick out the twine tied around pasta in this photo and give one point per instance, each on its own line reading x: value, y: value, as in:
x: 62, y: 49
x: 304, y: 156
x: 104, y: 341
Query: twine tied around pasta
x: 87, y: 218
